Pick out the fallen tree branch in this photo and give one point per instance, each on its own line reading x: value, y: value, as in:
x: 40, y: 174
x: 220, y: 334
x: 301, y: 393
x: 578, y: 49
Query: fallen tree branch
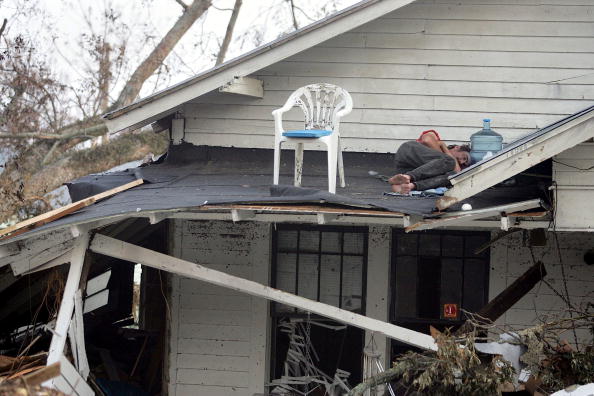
x: 94, y: 130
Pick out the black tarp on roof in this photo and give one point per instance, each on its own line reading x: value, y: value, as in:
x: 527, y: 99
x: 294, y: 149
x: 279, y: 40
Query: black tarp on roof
x: 191, y: 176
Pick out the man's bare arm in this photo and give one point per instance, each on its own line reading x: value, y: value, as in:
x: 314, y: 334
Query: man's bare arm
x: 430, y: 140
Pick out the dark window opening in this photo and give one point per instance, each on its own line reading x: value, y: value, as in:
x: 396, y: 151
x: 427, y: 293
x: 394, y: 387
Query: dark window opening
x: 326, y: 264
x: 436, y: 275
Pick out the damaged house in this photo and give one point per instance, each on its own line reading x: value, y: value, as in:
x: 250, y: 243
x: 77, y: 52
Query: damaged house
x: 196, y: 275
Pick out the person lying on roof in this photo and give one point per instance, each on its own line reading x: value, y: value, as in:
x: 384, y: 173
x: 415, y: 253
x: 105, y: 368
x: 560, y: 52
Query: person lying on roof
x: 426, y: 163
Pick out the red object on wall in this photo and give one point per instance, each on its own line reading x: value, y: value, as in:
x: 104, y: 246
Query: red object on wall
x: 450, y: 311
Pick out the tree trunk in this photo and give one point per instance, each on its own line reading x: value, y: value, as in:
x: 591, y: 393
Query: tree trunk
x: 160, y: 52
x: 228, y: 33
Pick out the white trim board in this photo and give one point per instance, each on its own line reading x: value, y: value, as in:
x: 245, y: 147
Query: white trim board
x: 151, y: 109
x: 462, y: 217
x: 125, y: 251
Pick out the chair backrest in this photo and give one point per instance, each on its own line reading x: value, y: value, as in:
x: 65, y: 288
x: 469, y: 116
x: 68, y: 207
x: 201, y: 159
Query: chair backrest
x: 321, y: 104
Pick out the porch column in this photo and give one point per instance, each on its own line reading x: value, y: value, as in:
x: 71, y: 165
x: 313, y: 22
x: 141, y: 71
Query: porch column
x: 378, y: 289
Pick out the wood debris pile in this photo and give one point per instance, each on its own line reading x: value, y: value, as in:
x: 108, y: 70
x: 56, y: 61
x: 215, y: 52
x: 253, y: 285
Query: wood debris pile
x: 547, y: 363
x: 23, y: 375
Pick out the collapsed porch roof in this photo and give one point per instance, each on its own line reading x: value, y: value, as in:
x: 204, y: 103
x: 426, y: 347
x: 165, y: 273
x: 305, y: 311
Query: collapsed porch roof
x: 520, y: 155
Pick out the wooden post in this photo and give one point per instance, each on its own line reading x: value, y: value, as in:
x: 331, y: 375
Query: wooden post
x: 127, y: 251
x: 67, y: 305
x: 510, y: 296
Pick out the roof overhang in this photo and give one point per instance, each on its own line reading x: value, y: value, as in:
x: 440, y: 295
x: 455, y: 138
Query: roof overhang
x: 160, y: 104
x: 37, y: 250
x: 520, y: 156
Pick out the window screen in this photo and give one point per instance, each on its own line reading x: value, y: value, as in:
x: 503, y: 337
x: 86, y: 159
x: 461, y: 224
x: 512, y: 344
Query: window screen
x: 326, y: 264
x: 436, y: 274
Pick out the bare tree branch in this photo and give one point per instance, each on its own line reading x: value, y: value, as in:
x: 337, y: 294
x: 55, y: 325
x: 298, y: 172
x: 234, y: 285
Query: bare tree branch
x: 3, y: 26
x: 95, y: 130
x: 181, y: 3
x: 228, y: 33
x: 160, y: 52
x: 292, y: 5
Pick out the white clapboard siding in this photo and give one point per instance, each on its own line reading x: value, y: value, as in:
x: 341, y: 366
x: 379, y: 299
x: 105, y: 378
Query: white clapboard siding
x: 443, y: 64
x: 573, y: 173
x: 564, y: 263
x: 219, y: 337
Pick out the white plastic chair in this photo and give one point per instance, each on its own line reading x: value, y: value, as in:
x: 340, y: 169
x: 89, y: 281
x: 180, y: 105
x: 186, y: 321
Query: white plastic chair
x: 323, y: 105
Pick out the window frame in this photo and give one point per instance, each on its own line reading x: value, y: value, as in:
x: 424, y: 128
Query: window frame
x: 319, y: 228
x: 485, y: 255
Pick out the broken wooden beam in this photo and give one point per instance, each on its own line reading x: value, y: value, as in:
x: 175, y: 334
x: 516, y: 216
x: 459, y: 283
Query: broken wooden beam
x: 55, y: 214
x: 509, y: 296
x: 126, y: 251
x: 37, y: 377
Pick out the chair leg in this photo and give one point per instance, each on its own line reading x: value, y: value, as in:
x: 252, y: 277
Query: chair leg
x: 277, y: 154
x: 332, y: 165
x: 298, y: 164
x: 340, y: 166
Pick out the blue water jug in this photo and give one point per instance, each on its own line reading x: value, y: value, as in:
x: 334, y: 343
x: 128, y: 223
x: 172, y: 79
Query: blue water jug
x: 484, y: 142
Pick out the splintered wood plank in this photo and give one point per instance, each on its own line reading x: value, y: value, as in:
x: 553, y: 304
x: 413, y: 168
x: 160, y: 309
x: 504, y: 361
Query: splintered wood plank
x: 126, y: 251
x: 55, y: 214
x: 304, y: 209
x: 510, y: 296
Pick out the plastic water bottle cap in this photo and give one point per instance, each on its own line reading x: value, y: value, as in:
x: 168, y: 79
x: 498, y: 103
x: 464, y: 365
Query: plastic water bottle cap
x: 486, y: 119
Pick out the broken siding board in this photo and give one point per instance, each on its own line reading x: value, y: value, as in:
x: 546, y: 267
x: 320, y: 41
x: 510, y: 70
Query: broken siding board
x: 33, y: 246
x: 41, y: 258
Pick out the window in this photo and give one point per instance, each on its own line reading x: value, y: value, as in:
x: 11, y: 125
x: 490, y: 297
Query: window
x: 326, y: 264
x: 436, y: 274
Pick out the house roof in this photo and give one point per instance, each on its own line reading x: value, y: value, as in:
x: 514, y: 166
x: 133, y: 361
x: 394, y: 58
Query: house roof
x: 521, y: 155
x: 167, y: 101
x: 199, y: 178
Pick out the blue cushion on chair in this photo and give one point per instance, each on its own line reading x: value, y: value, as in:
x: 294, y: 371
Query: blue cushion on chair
x: 307, y: 133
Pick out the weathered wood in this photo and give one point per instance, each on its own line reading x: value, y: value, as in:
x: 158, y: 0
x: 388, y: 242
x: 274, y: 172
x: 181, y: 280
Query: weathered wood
x: 39, y: 376
x: 56, y: 348
x: 55, y: 214
x: 510, y: 296
x: 465, y: 216
x: 126, y: 251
